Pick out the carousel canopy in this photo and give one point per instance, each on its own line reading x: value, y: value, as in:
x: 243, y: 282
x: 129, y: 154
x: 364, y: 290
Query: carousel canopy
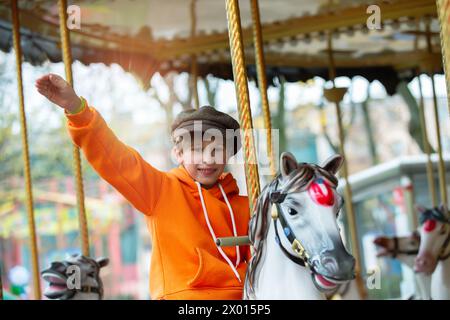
x: 148, y: 36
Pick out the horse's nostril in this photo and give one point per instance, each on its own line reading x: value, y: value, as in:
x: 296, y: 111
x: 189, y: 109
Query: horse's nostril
x: 56, y: 265
x: 330, y: 264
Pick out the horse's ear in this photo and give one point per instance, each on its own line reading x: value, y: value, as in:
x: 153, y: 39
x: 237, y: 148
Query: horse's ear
x: 102, y: 262
x: 333, y: 163
x: 288, y: 163
x: 419, y: 208
x: 443, y: 208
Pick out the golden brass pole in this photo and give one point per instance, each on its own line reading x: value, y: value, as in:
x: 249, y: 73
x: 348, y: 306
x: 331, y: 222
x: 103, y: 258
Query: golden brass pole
x: 426, y: 146
x: 443, y: 9
x: 335, y: 95
x: 194, y: 62
x: 441, y: 165
x: 26, y: 155
x: 243, y: 101
x: 262, y: 80
x: 67, y: 58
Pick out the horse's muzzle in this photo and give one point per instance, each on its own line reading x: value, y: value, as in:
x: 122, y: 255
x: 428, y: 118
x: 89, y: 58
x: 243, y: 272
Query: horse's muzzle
x: 339, y: 266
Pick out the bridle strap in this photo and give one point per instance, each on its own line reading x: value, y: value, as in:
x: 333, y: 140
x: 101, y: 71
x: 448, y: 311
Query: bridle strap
x: 89, y: 289
x: 296, y: 259
x: 396, y: 251
x: 444, y: 247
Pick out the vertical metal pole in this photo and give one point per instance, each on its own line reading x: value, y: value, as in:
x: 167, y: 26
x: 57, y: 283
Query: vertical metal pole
x: 262, y: 80
x: 443, y: 9
x: 243, y: 100
x: 26, y: 155
x: 441, y: 165
x: 426, y: 146
x: 194, y: 62
x: 349, y: 208
x: 67, y: 58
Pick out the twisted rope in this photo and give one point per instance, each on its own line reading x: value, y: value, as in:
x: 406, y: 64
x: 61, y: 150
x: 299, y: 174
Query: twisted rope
x: 194, y: 62
x: 243, y: 101
x: 262, y: 80
x: 26, y: 155
x: 67, y: 58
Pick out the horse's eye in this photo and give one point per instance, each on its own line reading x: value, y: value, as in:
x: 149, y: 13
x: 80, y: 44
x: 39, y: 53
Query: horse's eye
x: 292, y: 212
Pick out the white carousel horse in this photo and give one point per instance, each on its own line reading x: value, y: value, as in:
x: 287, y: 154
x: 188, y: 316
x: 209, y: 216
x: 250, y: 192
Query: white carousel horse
x: 57, y: 276
x: 434, y: 251
x: 299, y: 253
x: 405, y: 249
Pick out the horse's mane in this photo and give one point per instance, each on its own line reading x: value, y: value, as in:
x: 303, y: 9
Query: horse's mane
x: 296, y: 181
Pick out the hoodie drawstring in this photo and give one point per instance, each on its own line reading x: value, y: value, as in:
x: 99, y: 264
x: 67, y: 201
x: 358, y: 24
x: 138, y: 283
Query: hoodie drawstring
x: 238, y: 254
x: 213, y: 235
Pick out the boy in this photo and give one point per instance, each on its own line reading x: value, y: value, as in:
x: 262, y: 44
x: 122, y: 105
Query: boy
x: 185, y: 209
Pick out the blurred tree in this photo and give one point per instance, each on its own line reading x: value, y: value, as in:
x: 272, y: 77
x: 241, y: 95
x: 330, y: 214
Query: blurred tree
x: 368, y: 127
x: 414, y: 127
x: 279, y: 120
x: 335, y: 144
x: 211, y: 86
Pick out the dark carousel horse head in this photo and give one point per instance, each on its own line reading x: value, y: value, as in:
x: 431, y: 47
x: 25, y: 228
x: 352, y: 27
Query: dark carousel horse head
x: 76, y: 277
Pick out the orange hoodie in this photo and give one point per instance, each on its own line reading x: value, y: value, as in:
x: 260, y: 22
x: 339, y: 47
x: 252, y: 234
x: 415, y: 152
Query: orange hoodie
x: 185, y: 262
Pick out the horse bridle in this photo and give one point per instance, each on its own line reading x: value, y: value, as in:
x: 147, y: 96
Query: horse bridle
x: 445, y: 245
x: 277, y: 197
x: 302, y: 258
x: 396, y: 251
x: 86, y: 289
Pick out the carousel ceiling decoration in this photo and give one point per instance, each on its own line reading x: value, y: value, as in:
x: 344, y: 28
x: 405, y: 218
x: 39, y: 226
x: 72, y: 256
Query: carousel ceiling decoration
x: 145, y: 37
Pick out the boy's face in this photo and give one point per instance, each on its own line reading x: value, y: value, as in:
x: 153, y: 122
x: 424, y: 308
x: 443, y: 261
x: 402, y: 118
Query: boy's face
x: 204, y: 162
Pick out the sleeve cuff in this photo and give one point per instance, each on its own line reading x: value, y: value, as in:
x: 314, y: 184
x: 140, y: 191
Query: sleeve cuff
x: 81, y: 118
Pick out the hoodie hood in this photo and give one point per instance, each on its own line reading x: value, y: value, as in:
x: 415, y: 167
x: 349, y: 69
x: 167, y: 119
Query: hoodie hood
x: 227, y: 181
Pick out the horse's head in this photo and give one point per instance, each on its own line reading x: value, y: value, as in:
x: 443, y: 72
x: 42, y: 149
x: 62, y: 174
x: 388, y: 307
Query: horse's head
x: 74, y: 277
x: 392, y: 246
x: 435, y: 238
x: 305, y: 205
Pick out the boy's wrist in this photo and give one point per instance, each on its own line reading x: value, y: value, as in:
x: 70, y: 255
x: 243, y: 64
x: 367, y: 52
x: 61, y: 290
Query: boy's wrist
x: 81, y: 106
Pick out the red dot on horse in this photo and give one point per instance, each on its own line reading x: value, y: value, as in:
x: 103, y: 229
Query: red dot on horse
x: 321, y: 193
x: 429, y: 225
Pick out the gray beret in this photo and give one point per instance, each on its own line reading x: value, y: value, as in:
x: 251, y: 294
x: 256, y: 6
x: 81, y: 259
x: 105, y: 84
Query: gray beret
x: 205, y: 118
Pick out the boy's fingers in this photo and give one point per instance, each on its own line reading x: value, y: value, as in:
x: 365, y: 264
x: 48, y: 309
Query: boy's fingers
x: 57, y: 81
x: 42, y: 87
x: 45, y: 92
x: 44, y: 78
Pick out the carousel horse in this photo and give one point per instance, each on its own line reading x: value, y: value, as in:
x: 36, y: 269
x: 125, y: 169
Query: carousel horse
x: 405, y: 249
x: 434, y: 251
x: 299, y: 253
x: 57, y: 276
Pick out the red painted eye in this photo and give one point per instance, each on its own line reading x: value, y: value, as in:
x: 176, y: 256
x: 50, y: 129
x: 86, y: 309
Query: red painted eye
x: 429, y: 225
x: 321, y: 192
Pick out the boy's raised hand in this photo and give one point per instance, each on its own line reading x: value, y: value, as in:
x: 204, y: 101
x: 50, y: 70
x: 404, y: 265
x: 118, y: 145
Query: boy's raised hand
x: 58, y: 91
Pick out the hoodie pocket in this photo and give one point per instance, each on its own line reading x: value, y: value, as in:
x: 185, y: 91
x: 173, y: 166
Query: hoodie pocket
x: 213, y: 272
